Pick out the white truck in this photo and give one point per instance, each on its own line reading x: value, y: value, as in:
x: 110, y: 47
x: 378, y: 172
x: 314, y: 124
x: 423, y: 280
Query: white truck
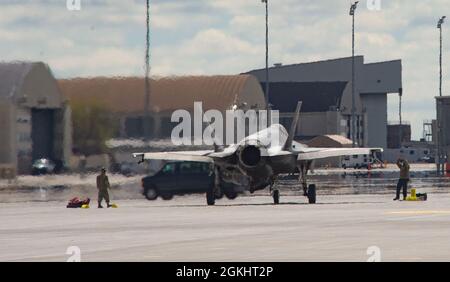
x: 357, y: 161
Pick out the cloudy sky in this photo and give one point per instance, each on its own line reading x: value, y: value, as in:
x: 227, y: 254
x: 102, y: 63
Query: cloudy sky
x: 107, y: 37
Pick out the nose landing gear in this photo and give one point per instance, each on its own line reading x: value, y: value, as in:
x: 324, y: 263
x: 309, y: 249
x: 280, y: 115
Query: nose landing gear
x: 311, y: 193
x: 276, y: 197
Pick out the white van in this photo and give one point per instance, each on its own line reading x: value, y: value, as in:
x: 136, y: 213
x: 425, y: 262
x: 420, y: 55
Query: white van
x: 357, y: 161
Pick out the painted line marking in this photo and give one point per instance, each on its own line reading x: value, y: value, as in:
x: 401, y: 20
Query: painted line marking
x: 418, y: 212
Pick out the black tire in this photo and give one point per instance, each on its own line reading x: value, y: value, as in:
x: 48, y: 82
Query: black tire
x: 276, y: 197
x: 210, y: 197
x: 151, y: 193
x: 231, y: 195
x: 167, y: 196
x: 312, y: 193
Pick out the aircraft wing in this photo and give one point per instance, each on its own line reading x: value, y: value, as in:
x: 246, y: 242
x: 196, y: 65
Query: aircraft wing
x: 193, y: 156
x: 320, y: 153
x: 206, y: 156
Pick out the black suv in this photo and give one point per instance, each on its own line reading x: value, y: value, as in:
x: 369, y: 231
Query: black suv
x: 182, y: 177
x: 178, y: 178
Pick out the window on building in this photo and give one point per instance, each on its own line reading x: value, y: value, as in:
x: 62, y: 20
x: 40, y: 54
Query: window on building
x: 166, y: 127
x: 134, y: 126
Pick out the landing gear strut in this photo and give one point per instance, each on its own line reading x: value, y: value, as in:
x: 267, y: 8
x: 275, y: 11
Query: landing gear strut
x: 312, y: 193
x: 308, y: 190
x: 303, y: 168
x: 214, y: 191
x: 275, y: 192
x: 276, y: 197
x: 210, y: 197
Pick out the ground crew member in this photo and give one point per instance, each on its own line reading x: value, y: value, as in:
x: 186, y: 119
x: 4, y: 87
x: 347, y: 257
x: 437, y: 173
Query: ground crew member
x: 103, y: 186
x: 403, y: 165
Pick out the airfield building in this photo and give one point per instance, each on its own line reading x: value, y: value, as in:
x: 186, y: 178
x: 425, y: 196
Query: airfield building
x: 325, y: 87
x: 443, y: 125
x: 394, y: 130
x: 34, y: 118
x: 124, y: 98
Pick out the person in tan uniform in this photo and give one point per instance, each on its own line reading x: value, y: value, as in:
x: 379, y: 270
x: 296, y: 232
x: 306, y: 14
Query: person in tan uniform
x: 403, y: 165
x: 103, y: 186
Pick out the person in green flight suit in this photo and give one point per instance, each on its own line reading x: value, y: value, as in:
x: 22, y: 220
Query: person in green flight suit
x: 103, y: 186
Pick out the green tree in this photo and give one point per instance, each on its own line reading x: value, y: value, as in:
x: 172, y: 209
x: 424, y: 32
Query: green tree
x: 93, y: 125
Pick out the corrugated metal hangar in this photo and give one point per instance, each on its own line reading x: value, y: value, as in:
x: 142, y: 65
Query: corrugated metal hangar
x: 34, y: 118
x: 124, y: 97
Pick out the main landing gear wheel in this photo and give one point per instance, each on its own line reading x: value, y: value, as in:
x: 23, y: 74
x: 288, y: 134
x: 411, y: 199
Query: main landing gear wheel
x: 167, y: 196
x: 231, y: 195
x: 312, y: 193
x: 210, y: 196
x: 276, y: 197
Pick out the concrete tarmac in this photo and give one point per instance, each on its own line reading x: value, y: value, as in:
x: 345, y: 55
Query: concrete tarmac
x: 338, y: 228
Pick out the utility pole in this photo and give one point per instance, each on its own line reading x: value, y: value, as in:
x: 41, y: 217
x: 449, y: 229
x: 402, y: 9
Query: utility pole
x: 146, y: 122
x: 353, y: 119
x: 266, y: 94
x: 439, y: 25
x: 440, y: 135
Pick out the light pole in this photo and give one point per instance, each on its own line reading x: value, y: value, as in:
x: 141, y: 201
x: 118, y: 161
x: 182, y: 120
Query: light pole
x: 353, y: 119
x: 439, y: 25
x: 146, y: 122
x: 439, y: 129
x: 266, y: 94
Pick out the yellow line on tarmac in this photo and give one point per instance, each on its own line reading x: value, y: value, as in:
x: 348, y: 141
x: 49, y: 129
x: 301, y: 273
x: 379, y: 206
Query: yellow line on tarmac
x: 424, y: 212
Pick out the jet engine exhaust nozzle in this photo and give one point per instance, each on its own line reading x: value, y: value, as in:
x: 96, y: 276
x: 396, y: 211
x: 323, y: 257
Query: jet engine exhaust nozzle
x: 250, y: 156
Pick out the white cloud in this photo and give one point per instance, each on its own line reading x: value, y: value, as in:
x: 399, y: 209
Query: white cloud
x: 101, y: 62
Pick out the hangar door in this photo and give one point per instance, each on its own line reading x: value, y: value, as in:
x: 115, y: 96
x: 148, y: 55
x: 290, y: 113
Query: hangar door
x: 42, y: 133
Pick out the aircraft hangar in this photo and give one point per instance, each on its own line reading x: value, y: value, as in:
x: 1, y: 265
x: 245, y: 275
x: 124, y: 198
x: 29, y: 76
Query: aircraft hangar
x: 326, y: 89
x: 124, y: 98
x: 34, y: 117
